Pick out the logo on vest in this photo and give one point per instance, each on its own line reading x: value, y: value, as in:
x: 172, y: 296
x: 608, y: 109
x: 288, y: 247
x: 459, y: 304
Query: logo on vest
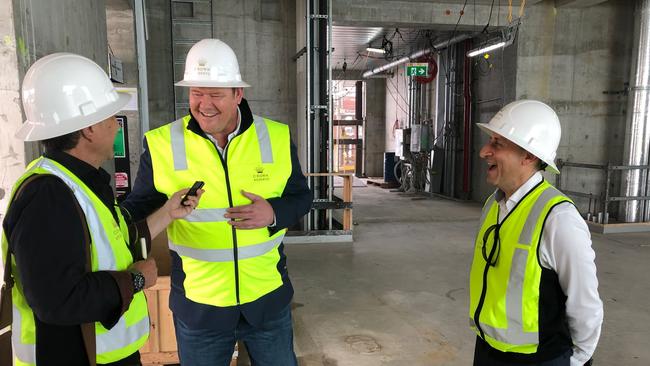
x: 259, y: 175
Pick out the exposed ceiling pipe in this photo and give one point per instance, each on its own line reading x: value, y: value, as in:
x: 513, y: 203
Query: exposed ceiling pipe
x: 420, y: 53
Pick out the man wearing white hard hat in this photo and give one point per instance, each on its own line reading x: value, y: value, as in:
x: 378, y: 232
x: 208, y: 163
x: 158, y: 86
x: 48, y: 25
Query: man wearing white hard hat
x: 75, y: 264
x: 229, y: 278
x: 533, y: 286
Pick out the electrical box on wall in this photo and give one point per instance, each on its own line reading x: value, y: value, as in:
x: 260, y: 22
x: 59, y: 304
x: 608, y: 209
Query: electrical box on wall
x: 402, y: 141
x: 415, y: 137
x: 420, y: 138
x: 121, y: 156
x: 115, y: 71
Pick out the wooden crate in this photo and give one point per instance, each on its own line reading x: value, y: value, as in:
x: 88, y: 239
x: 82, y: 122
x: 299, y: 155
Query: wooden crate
x: 161, y: 348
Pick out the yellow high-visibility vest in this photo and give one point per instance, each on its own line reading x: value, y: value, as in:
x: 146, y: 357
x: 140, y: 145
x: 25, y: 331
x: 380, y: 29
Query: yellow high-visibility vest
x: 504, y: 297
x: 223, y: 266
x: 109, y: 252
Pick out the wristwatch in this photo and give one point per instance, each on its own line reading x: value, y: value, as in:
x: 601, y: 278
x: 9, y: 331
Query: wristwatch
x: 138, y: 281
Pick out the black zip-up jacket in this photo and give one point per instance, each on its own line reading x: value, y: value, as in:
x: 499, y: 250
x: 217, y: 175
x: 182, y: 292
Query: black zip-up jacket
x: 288, y: 208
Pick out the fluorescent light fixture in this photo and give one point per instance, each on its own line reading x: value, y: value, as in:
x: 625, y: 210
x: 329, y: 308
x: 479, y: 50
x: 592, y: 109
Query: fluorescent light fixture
x: 505, y: 38
x: 485, y: 49
x: 376, y: 50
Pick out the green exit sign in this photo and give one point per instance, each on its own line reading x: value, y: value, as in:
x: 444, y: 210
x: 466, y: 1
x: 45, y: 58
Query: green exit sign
x: 417, y: 69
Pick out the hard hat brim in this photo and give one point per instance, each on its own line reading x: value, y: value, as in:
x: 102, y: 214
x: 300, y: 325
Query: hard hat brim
x: 212, y: 84
x: 550, y: 164
x: 37, y: 131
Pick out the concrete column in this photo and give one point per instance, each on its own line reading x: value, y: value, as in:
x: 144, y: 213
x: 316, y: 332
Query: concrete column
x: 12, y: 151
x: 375, y: 132
x: 637, y: 131
x: 29, y: 31
x: 300, y: 133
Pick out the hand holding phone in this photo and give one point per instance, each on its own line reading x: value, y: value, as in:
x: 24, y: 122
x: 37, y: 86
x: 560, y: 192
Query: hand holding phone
x: 192, y: 192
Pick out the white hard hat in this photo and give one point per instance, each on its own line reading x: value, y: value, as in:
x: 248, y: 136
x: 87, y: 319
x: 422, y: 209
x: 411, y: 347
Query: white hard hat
x: 211, y: 63
x: 63, y: 93
x: 532, y: 125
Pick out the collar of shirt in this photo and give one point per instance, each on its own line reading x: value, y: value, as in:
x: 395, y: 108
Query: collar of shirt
x: 98, y: 180
x: 506, y: 205
x: 230, y: 135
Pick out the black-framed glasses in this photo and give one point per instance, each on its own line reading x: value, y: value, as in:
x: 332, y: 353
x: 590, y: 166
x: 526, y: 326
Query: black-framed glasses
x: 491, y: 259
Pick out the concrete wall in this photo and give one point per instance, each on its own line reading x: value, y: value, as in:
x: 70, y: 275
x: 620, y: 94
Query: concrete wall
x: 263, y: 35
x: 567, y: 57
x: 397, y: 106
x: 160, y: 77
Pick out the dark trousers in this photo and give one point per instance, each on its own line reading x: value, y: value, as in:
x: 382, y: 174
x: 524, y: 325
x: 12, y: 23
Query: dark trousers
x: 484, y: 355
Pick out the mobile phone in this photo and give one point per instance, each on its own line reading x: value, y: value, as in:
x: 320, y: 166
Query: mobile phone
x: 192, y: 192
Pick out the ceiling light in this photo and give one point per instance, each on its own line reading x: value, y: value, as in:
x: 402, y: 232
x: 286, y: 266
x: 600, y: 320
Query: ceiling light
x: 505, y: 38
x: 486, y: 48
x: 376, y: 50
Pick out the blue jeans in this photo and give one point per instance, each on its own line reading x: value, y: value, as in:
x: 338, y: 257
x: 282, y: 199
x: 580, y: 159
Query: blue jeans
x: 270, y: 344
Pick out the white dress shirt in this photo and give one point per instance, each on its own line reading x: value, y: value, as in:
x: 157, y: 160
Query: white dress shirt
x: 230, y: 136
x: 565, y: 248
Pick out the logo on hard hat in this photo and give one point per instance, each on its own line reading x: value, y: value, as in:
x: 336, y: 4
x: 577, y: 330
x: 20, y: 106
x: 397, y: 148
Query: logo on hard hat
x: 202, y: 67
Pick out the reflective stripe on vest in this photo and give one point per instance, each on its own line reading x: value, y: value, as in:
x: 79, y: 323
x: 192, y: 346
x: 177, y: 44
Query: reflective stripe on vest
x: 105, y: 256
x: 515, y: 334
x: 226, y: 255
x: 25, y: 353
x: 179, y: 152
x: 122, y: 340
x: 114, y: 338
x: 206, y: 215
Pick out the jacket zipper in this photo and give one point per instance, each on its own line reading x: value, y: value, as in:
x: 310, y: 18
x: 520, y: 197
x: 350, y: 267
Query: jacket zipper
x: 234, y: 231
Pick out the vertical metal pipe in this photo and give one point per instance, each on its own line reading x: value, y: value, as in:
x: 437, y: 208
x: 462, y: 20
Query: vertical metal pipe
x: 608, y: 180
x: 453, y: 130
x: 637, y: 136
x: 408, y: 120
x: 320, y: 140
x: 467, y: 108
x: 308, y: 106
x: 445, y: 128
x: 141, y: 50
x: 330, y: 111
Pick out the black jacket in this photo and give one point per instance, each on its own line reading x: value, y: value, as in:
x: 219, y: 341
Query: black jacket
x: 289, y: 208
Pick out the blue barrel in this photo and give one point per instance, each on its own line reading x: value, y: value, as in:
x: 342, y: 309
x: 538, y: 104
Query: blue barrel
x: 389, y: 166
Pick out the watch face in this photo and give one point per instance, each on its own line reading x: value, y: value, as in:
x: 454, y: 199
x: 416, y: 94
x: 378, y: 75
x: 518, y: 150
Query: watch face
x: 138, y: 281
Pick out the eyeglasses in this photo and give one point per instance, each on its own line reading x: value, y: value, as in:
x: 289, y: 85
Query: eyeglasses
x: 492, y: 258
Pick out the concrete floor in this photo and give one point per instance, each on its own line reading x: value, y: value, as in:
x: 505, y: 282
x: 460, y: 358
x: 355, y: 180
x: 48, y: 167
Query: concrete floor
x: 398, y: 294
